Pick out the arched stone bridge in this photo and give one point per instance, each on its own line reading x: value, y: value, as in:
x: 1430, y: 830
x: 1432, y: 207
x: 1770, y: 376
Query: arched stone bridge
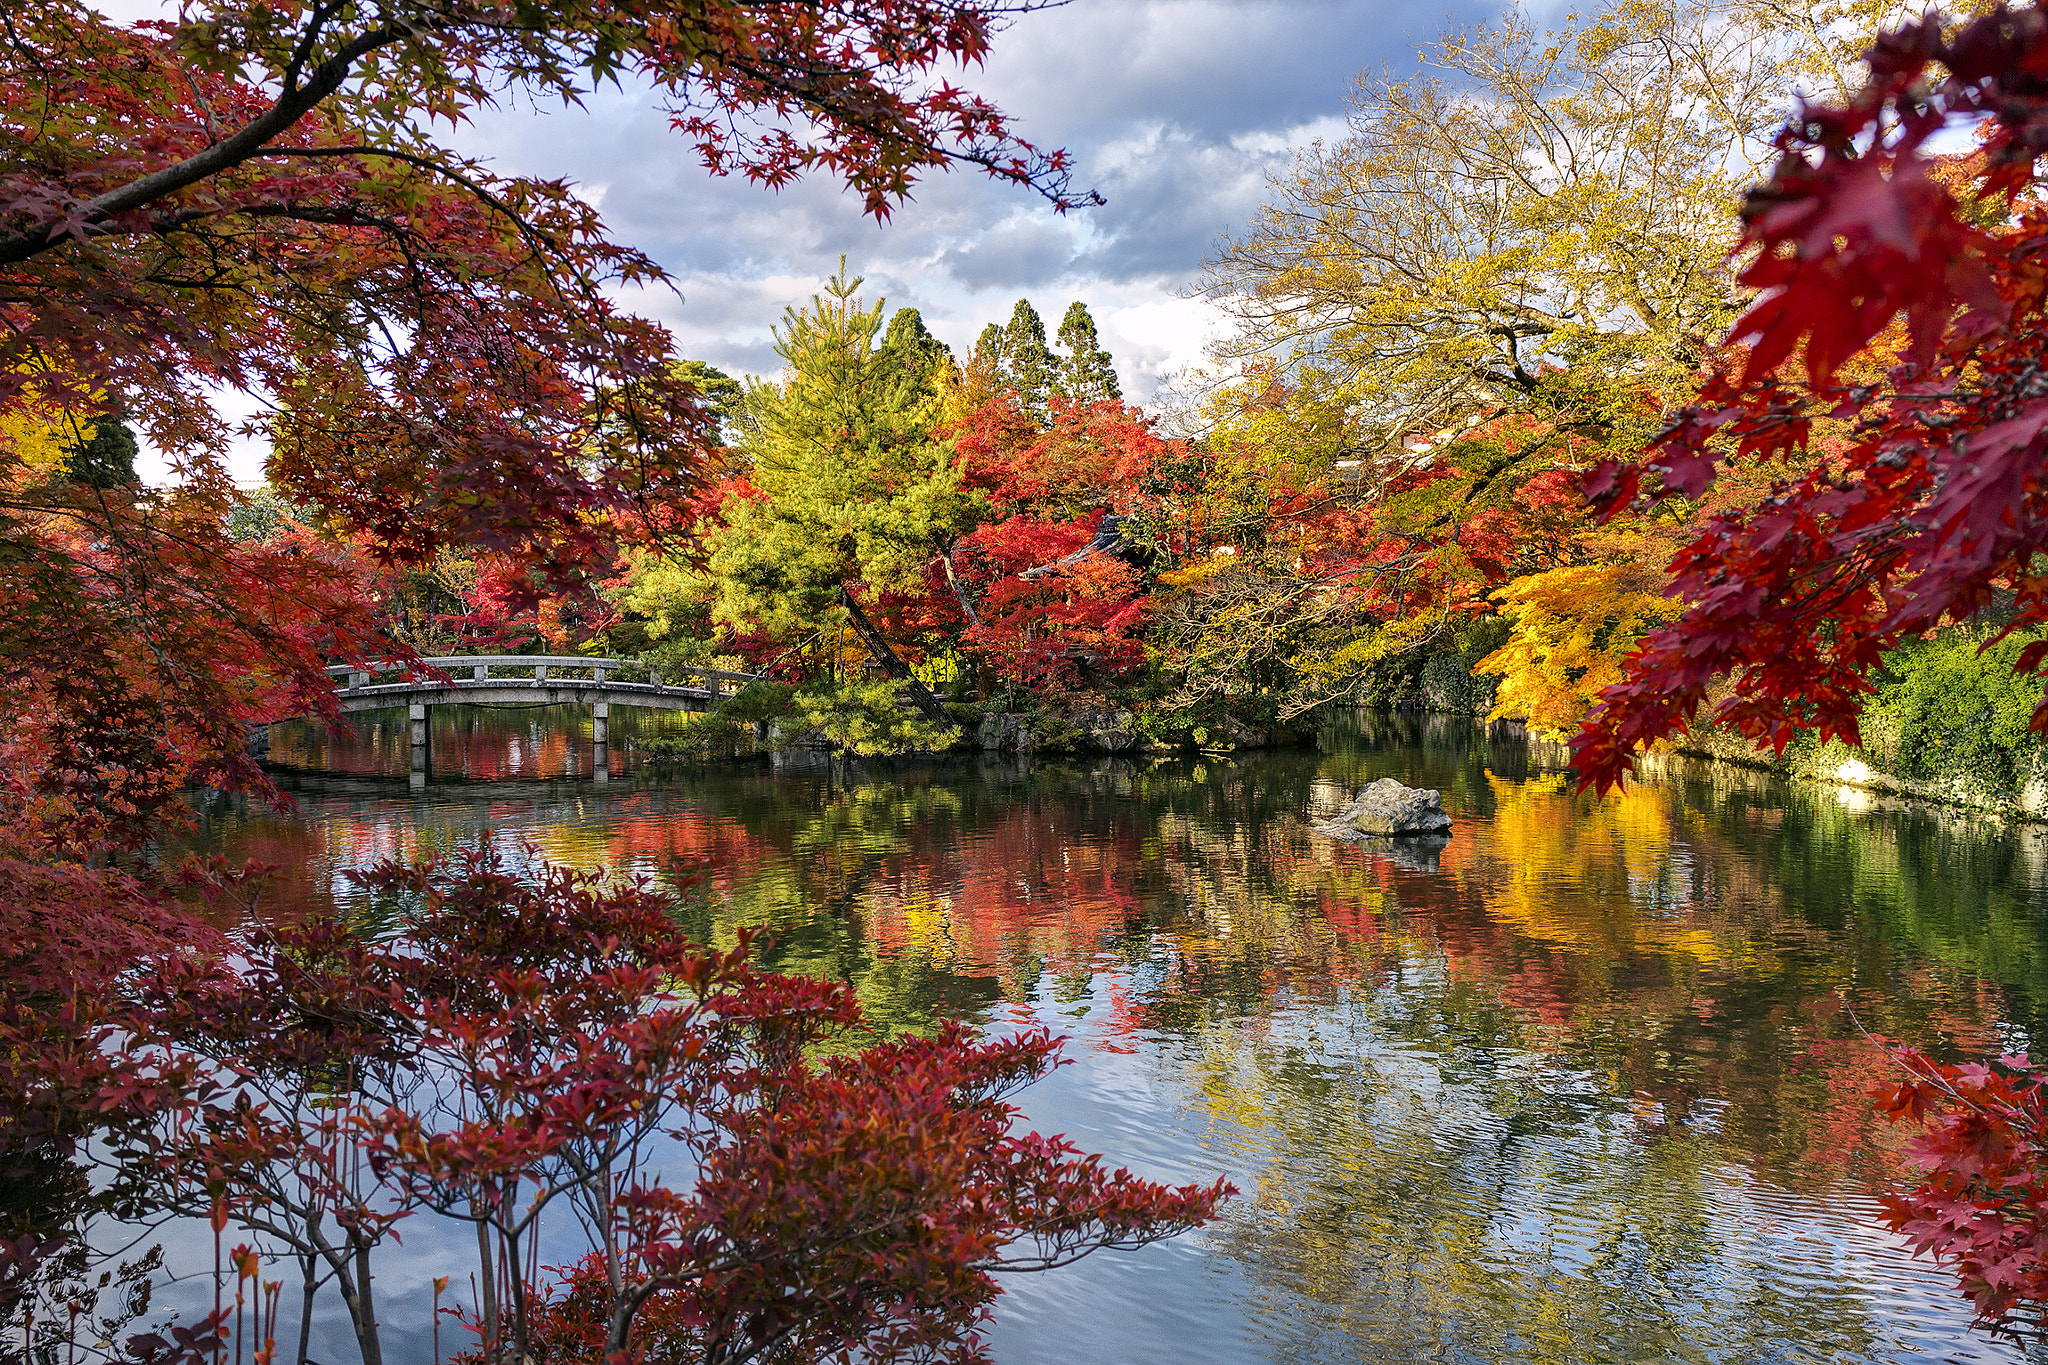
x: 532, y: 680
x: 528, y: 680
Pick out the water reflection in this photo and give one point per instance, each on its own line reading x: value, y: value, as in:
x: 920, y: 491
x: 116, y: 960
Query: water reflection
x: 1587, y: 1083
x: 474, y: 743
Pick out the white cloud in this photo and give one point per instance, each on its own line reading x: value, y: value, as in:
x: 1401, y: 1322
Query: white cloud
x: 1177, y: 109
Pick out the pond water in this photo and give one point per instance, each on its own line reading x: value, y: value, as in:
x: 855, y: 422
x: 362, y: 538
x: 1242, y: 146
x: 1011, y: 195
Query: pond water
x: 1590, y: 1084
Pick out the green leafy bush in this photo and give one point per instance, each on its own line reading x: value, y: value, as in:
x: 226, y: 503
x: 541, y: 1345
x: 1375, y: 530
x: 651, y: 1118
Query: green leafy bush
x: 759, y: 701
x: 1450, y: 682
x: 727, y: 730
x: 1054, y: 733
x: 1945, y: 710
x: 867, y: 717
x: 863, y: 717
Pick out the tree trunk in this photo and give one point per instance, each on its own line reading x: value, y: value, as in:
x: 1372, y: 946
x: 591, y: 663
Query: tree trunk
x: 308, y: 1290
x: 920, y: 695
x: 366, y: 1318
x: 959, y: 590
x: 488, y: 1290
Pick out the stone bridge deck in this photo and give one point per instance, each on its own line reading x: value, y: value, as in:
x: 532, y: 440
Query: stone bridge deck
x: 532, y: 680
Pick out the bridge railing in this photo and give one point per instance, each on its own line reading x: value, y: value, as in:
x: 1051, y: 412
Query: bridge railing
x: 541, y: 670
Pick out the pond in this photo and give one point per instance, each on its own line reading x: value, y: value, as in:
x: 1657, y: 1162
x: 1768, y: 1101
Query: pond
x: 1591, y: 1084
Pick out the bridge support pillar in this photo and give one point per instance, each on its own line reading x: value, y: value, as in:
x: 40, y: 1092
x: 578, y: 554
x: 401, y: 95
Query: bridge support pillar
x: 600, y: 722
x: 421, y: 743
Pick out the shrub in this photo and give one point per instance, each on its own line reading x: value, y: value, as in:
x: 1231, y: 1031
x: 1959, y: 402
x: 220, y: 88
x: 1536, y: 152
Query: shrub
x: 768, y: 1200
x: 1951, y: 708
x: 867, y: 717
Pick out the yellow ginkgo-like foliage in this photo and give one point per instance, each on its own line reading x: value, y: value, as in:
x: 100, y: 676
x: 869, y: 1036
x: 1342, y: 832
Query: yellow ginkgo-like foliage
x: 39, y: 435
x: 1572, y: 629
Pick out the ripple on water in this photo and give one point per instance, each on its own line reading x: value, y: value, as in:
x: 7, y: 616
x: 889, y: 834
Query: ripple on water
x: 1580, y: 1089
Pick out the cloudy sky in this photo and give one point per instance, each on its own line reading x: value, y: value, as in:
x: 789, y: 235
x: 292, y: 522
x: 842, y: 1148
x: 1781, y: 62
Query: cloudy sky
x: 1175, y: 110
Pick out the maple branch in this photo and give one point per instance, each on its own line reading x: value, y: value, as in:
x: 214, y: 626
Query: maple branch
x: 483, y: 194
x: 295, y: 103
x: 959, y: 590
x: 546, y: 246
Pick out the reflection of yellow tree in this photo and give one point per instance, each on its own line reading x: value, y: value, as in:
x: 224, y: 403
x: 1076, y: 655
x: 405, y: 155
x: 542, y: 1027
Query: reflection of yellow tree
x: 1596, y: 874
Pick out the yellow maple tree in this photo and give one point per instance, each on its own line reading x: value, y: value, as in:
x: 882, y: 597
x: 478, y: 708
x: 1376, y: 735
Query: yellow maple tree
x: 1572, y: 630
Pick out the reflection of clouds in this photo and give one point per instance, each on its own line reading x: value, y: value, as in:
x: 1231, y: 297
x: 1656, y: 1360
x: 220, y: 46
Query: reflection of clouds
x: 1589, y: 1074
x: 1437, y: 1192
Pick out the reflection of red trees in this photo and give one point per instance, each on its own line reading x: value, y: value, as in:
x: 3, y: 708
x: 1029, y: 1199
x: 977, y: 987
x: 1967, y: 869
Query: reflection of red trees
x: 486, y: 754
x: 1028, y: 890
x: 485, y: 744
x: 1616, y: 935
x: 1845, y: 1071
x: 720, y: 852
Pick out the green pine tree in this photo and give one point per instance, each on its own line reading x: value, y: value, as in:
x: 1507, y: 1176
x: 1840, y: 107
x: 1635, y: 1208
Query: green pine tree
x: 857, y: 488
x: 1027, y: 362
x: 988, y: 348
x: 909, y: 347
x: 1086, y: 373
x: 107, y: 459
x: 723, y: 396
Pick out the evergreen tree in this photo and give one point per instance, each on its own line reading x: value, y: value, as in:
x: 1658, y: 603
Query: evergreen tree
x: 1027, y: 361
x: 915, y: 351
x: 988, y: 348
x: 262, y: 516
x: 107, y: 460
x: 856, y: 487
x: 1086, y: 373
x: 979, y: 381
x: 723, y: 396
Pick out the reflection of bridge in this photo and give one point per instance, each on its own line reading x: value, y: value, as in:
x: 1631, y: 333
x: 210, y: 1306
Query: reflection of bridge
x: 528, y: 680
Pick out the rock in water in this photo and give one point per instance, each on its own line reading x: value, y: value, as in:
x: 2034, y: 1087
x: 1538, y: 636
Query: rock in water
x: 1389, y: 810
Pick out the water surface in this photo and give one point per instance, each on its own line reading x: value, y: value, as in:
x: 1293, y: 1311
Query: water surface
x: 1589, y: 1084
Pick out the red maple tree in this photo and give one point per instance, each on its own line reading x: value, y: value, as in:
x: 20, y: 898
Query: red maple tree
x: 248, y: 198
x: 1915, y: 494
x: 1908, y: 499
x: 527, y: 1043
